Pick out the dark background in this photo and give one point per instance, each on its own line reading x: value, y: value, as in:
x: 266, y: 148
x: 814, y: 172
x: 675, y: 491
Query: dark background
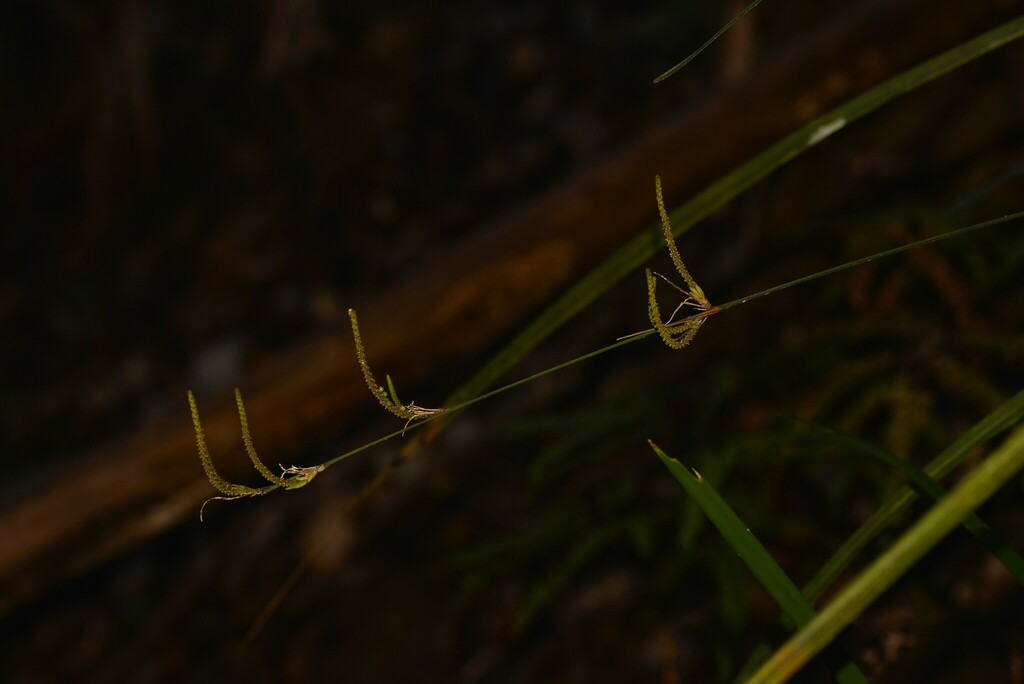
x: 194, y: 193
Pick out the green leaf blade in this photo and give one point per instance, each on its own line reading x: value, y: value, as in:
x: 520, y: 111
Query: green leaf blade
x: 775, y: 581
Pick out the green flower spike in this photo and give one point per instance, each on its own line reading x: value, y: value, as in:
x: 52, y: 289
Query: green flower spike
x: 389, y: 398
x: 291, y: 478
x: 676, y: 334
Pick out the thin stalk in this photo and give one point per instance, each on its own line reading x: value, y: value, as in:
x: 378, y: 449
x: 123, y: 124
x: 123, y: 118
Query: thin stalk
x: 647, y: 333
x: 873, y: 257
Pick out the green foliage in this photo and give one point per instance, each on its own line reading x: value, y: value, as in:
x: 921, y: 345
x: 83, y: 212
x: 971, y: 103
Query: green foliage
x: 1002, y: 465
x: 749, y: 549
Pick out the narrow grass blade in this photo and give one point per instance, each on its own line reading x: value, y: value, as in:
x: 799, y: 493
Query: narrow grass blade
x: 633, y: 255
x: 708, y: 42
x: 1006, y: 415
x: 971, y: 492
x: 750, y: 550
x: 996, y: 545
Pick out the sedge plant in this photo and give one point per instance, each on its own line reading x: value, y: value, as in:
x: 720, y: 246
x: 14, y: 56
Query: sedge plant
x: 818, y: 627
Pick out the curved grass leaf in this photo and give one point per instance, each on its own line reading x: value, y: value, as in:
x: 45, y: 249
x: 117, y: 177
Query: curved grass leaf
x: 976, y: 487
x: 1001, y: 418
x: 750, y: 550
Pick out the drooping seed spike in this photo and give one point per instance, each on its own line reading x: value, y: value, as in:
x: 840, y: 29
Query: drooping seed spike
x: 219, y: 483
x: 250, y: 448
x: 375, y: 389
x: 675, y: 336
x: 654, y: 312
x: 695, y: 290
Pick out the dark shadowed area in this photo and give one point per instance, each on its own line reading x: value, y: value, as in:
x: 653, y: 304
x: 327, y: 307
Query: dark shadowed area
x: 195, y: 193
